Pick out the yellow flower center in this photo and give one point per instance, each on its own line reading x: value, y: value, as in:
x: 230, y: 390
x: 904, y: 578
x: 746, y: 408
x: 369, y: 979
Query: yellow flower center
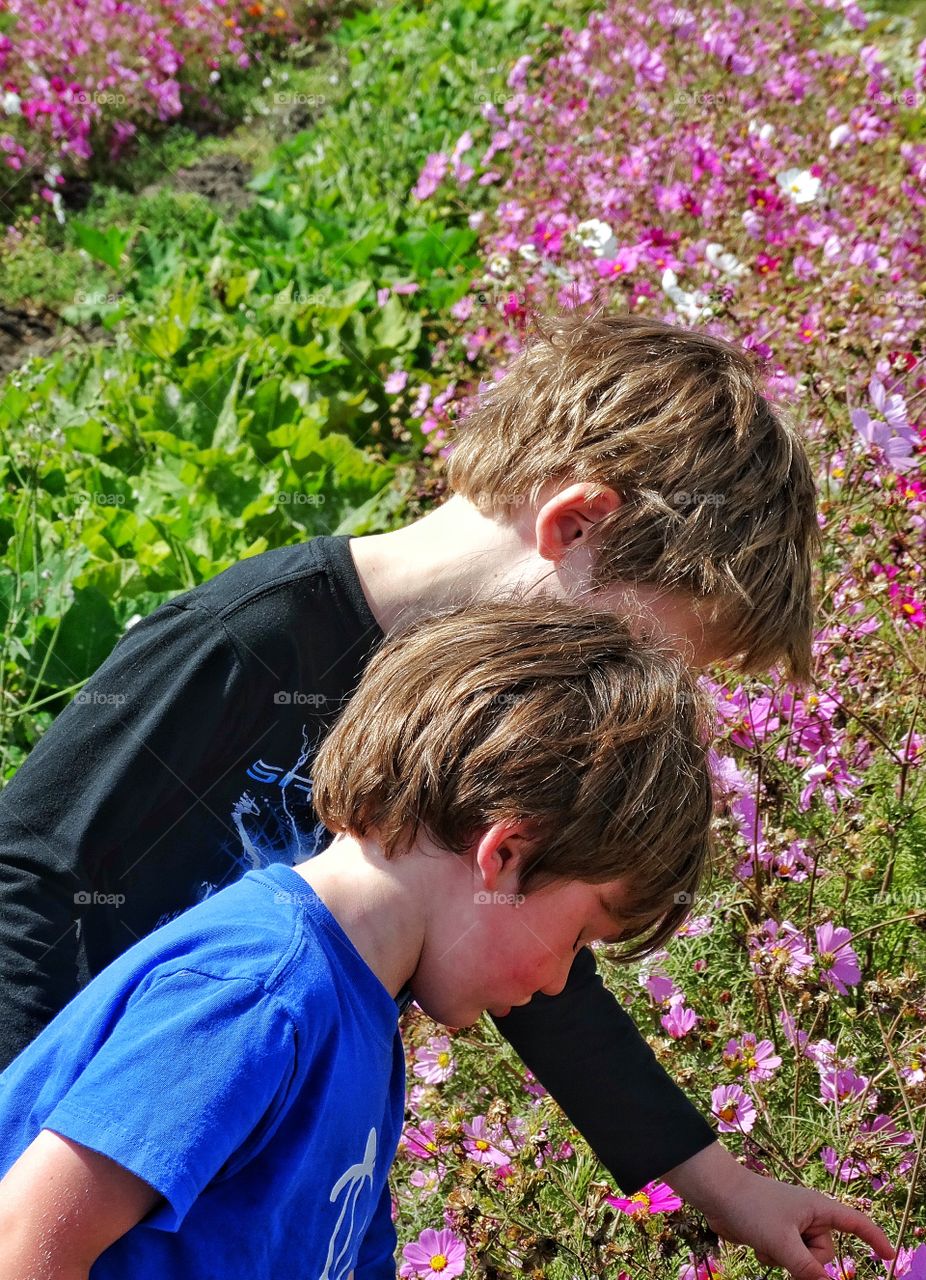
x: 908, y: 608
x: 438, y: 1262
x: 641, y: 1199
x: 751, y: 1063
x: 481, y: 1144
x: 443, y: 1058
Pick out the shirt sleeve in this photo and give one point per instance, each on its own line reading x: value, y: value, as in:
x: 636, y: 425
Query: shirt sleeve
x: 586, y: 1050
x: 189, y: 1085
x: 138, y: 742
x: 376, y: 1257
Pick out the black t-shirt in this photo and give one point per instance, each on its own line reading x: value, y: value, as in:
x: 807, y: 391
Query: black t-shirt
x: 185, y: 761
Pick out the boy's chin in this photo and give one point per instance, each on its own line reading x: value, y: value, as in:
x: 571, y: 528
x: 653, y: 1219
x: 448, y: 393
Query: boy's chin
x: 452, y: 1016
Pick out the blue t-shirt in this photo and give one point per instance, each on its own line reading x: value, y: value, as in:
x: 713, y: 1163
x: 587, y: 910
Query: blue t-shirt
x: 245, y: 1061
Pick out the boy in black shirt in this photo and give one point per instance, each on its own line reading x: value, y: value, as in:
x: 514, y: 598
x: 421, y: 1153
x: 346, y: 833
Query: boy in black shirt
x: 621, y: 462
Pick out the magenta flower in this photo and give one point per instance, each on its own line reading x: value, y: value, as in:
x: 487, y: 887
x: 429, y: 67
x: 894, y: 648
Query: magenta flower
x: 830, y: 775
x: 844, y: 1169
x: 679, y: 1020
x: 781, y: 944
x: 435, y: 1064
x: 838, y: 962
x: 758, y: 1060
x: 841, y: 1084
x: 480, y: 1146
x: 660, y: 986
x: 655, y: 1197
x: 395, y: 382
x: 733, y: 1108
x: 914, y: 1069
x: 435, y: 1255
x: 911, y: 1263
x: 702, y: 1269
x: 420, y: 1142
x: 431, y: 176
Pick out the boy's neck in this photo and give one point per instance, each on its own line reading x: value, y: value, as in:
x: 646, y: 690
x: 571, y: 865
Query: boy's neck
x: 454, y: 555
x: 378, y: 904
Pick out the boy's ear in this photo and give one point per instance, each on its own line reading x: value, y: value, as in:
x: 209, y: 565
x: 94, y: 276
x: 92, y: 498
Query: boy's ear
x: 499, y: 852
x: 569, y: 516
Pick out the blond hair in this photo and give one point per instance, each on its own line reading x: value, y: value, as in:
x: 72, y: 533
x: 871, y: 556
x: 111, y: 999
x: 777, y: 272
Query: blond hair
x: 718, y: 498
x: 541, y: 711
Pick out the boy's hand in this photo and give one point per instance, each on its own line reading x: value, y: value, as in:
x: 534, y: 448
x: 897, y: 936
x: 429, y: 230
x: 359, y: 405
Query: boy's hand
x: 786, y: 1225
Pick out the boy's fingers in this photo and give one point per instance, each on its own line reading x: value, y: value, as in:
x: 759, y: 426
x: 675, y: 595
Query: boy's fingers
x: 797, y: 1259
x: 842, y: 1218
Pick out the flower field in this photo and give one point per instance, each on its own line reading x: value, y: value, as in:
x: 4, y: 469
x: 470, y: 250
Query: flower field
x: 756, y: 170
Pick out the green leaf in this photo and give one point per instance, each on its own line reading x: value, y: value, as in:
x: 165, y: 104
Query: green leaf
x: 106, y: 246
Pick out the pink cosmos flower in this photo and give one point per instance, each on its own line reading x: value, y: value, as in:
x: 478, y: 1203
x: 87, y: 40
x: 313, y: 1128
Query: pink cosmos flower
x: 782, y: 943
x: 702, y: 1269
x: 897, y: 450
x: 660, y: 986
x: 395, y: 382
x: 435, y: 1255
x: 841, y: 1269
x: 910, y: 609
x: 655, y: 1197
x: 480, y: 1146
x: 758, y: 1060
x: 533, y: 1086
x: 679, y: 1020
x: 838, y: 962
x: 420, y: 1142
x: 431, y: 176
x: 840, y: 1085
x: 733, y: 1108
x: 830, y: 776
x: 435, y: 1064
x: 914, y: 1068
x: 911, y: 1263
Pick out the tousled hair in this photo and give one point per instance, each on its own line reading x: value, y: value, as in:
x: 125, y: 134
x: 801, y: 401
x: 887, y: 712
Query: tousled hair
x: 717, y: 495
x: 539, y: 711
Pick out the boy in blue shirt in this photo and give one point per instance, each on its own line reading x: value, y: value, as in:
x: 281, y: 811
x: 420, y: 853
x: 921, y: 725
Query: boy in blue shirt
x: 509, y: 783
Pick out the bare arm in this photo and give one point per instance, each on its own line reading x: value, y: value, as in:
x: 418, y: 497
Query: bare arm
x: 61, y: 1206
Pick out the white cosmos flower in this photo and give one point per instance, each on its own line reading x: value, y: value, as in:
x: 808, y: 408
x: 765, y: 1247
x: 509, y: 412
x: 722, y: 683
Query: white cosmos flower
x: 10, y: 103
x: 799, y: 184
x: 690, y: 305
x: 499, y: 264
x: 529, y: 252
x: 764, y: 131
x: 725, y: 262
x: 839, y: 135
x: 596, y: 235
